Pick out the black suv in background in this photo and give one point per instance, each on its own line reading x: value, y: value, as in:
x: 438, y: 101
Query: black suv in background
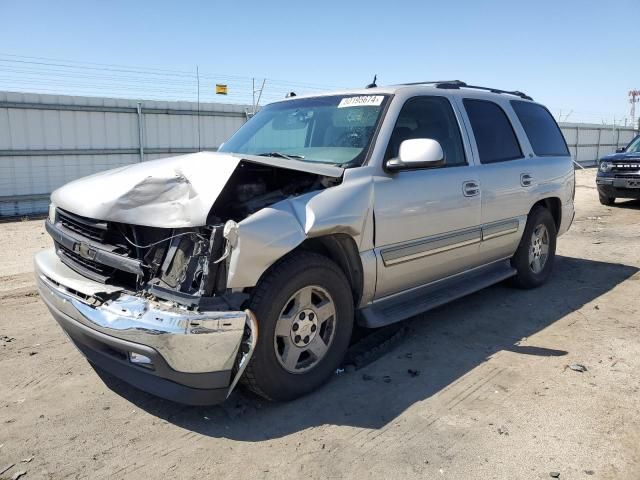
x: 619, y: 174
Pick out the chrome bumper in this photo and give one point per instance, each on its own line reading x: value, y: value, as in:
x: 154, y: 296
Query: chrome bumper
x: 179, y: 344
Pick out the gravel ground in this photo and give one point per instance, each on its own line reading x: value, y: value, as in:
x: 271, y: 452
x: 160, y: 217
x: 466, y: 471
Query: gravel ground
x: 494, y: 396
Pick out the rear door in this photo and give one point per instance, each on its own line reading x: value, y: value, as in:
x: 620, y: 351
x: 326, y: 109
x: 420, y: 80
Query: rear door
x: 506, y: 176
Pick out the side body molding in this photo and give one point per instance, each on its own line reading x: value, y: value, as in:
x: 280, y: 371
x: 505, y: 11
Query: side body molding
x: 424, y: 247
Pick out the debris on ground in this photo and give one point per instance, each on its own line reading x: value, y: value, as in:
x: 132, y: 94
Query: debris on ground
x: 374, y: 345
x: 554, y: 474
x: 413, y: 373
x: 339, y: 371
x: 589, y: 472
x: 366, y: 377
x: 577, y: 367
x: 19, y: 474
x: 386, y: 379
x: 28, y: 459
x: 503, y: 431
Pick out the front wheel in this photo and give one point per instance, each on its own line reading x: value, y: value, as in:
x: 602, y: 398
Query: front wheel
x: 536, y: 253
x: 604, y: 200
x: 305, y: 314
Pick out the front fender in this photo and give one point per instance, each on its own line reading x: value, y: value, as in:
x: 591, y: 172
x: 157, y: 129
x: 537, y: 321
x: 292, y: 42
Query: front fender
x: 266, y: 236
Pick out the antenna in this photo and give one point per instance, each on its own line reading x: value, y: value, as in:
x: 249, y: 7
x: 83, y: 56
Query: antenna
x: 373, y: 84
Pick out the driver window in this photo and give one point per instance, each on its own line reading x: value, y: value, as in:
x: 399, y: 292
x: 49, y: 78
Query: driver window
x: 429, y: 117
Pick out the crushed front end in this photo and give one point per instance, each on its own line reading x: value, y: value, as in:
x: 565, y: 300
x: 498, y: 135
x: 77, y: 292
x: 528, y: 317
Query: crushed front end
x: 149, y: 305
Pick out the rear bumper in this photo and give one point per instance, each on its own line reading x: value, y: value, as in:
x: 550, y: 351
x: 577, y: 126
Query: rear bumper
x: 184, y: 356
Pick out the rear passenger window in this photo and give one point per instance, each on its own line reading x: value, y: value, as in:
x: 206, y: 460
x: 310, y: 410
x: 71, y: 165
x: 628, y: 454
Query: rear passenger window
x: 543, y: 131
x: 494, y: 134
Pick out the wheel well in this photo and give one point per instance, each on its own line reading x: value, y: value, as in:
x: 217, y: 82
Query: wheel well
x: 342, y: 249
x: 554, y: 205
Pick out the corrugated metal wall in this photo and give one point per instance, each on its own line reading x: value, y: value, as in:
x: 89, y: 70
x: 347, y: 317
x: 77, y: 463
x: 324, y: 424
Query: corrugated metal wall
x: 49, y: 140
x: 589, y: 142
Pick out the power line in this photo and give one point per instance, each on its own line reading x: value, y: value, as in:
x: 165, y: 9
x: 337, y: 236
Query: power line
x: 43, y: 65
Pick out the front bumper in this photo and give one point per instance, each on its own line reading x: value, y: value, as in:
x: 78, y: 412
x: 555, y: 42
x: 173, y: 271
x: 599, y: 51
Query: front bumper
x: 184, y: 356
x: 618, y: 187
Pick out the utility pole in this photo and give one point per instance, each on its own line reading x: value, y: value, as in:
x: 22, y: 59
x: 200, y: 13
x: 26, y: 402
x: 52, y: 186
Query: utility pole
x: 254, y: 103
x: 198, y: 81
x: 634, y: 97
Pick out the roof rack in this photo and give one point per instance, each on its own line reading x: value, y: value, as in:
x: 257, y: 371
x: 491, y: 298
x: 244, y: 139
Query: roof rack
x: 456, y: 84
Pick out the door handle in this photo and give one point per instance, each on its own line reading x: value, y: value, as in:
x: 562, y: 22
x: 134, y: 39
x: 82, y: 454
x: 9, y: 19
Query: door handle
x: 471, y: 188
x: 526, y: 179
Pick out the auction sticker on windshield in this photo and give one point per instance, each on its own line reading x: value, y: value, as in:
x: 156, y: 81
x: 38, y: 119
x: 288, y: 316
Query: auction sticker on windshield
x: 361, y: 101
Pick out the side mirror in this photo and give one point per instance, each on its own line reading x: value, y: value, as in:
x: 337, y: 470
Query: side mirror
x: 417, y: 153
x: 621, y: 149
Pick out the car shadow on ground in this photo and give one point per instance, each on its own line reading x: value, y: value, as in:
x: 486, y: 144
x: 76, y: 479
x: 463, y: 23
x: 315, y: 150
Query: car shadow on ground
x: 626, y: 203
x: 442, y: 345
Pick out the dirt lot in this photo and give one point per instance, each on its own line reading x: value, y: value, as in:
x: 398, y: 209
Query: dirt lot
x: 494, y: 397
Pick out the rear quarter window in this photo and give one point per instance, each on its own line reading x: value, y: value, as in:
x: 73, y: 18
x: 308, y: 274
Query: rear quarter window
x: 493, y: 132
x: 542, y: 130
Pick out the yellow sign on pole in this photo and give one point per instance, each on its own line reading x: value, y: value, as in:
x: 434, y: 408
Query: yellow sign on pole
x: 221, y: 89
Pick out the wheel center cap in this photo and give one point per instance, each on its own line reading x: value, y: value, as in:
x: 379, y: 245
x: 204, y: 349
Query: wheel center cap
x: 304, y: 328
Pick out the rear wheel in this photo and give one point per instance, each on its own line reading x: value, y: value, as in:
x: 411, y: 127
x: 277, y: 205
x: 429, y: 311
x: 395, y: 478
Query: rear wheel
x: 304, y: 309
x: 604, y: 200
x: 534, y: 258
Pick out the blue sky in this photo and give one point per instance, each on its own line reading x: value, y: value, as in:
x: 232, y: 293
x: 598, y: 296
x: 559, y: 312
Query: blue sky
x: 570, y: 55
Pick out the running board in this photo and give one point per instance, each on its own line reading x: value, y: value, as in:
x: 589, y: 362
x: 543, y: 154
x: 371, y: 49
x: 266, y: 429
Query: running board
x: 421, y: 299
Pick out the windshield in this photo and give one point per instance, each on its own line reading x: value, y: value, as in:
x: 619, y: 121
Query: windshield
x: 336, y: 129
x: 634, y: 146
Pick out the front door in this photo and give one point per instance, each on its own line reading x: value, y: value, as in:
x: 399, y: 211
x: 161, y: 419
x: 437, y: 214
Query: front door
x: 427, y: 220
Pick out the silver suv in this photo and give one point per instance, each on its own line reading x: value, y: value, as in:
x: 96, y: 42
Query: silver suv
x: 186, y: 275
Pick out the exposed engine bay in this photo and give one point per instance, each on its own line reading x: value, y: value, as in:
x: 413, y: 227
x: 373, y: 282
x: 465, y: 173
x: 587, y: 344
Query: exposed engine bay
x: 185, y: 266
x: 253, y: 187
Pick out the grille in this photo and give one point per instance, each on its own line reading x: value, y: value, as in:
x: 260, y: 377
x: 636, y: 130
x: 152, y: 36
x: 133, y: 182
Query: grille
x: 87, y: 227
x: 86, y: 264
x: 632, y: 176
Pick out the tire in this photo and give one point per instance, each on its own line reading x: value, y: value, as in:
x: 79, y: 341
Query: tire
x: 604, y: 200
x: 280, y: 303
x: 541, y: 227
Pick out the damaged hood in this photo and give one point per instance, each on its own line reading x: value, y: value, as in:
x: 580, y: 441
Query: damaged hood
x: 174, y: 192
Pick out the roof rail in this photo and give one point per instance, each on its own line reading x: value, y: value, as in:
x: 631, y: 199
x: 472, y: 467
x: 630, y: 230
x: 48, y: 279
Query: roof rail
x: 430, y: 82
x: 456, y: 84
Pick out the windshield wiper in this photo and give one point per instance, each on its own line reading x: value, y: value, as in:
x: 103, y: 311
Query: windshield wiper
x: 281, y: 155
